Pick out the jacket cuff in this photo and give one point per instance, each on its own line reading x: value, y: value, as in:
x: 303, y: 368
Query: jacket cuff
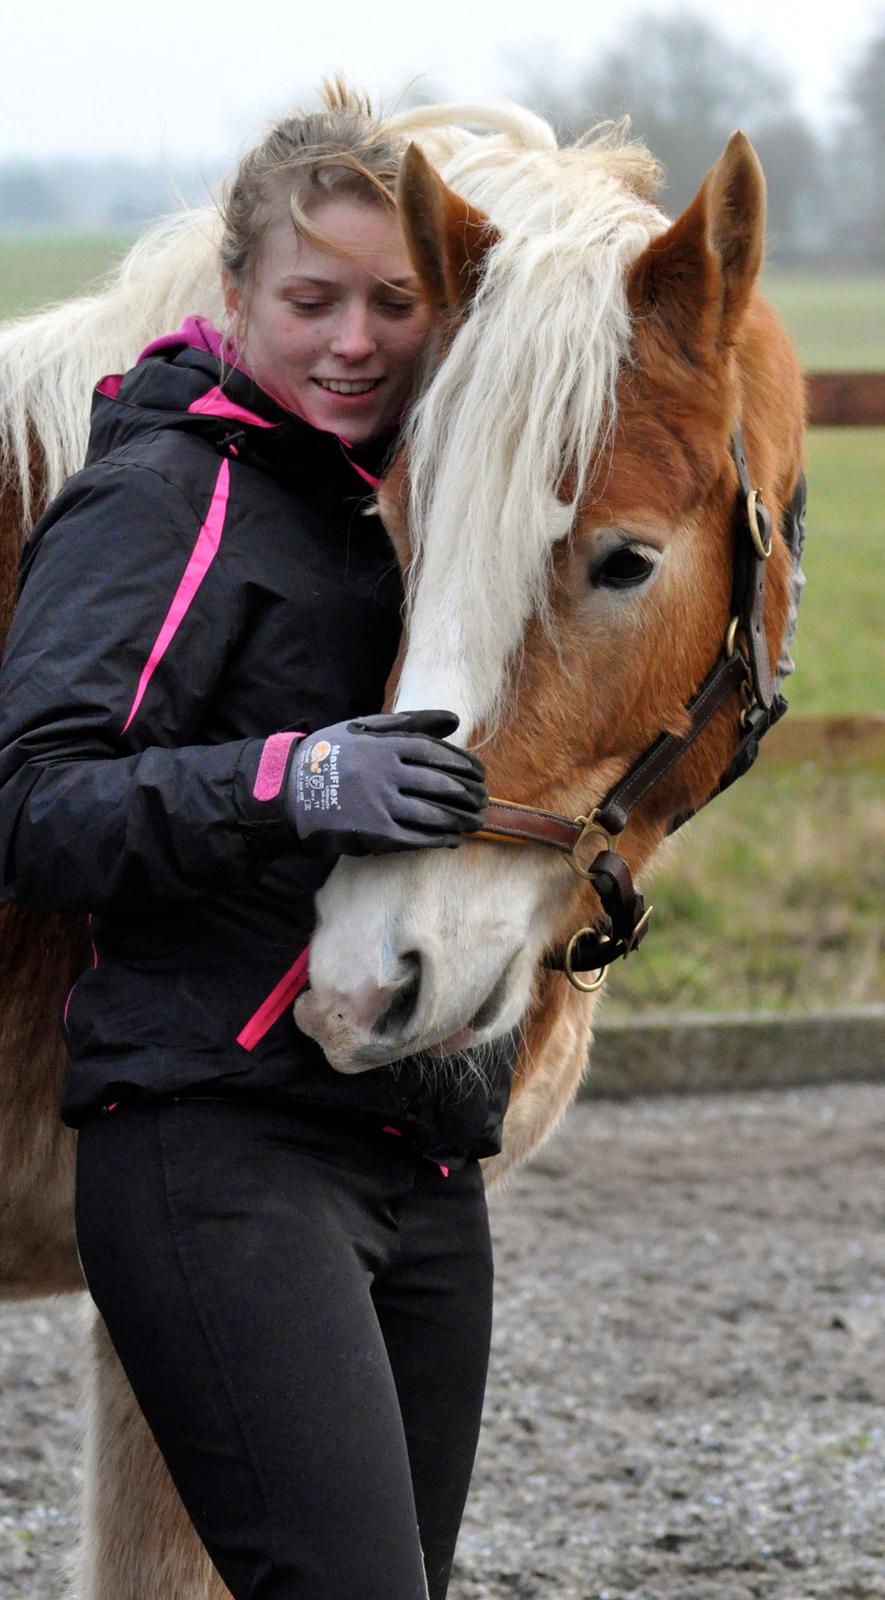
x: 259, y: 787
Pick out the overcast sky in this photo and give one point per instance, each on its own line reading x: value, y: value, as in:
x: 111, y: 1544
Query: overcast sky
x: 178, y: 79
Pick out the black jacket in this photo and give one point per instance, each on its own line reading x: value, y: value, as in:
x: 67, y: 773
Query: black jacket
x: 207, y: 581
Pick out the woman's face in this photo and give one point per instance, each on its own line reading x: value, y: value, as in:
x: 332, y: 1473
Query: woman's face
x: 335, y: 337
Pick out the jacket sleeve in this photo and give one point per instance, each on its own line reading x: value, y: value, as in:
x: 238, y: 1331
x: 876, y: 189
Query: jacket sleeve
x: 125, y: 619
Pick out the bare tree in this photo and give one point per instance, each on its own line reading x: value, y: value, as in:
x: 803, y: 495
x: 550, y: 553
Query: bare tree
x: 685, y: 87
x: 858, y: 178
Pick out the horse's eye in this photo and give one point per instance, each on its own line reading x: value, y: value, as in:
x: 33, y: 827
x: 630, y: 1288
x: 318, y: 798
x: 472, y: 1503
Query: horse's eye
x: 623, y: 569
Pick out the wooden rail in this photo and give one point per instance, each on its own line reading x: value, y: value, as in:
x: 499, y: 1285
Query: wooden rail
x: 831, y: 742
x: 846, y: 399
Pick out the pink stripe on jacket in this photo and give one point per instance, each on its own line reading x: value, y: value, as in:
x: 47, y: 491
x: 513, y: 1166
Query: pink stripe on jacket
x: 201, y: 558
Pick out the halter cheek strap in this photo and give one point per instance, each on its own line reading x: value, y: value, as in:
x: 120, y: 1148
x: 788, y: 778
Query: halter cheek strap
x: 744, y: 666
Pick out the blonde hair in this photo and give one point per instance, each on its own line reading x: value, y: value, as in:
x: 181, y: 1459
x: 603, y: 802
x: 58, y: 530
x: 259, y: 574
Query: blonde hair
x: 302, y: 161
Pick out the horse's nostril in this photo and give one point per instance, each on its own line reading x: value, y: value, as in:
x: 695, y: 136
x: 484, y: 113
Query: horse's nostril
x: 393, y: 1019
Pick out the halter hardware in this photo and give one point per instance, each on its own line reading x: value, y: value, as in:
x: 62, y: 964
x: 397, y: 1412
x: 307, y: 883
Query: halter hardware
x: 568, y: 969
x: 625, y: 917
x: 588, y: 826
x: 731, y: 636
x: 759, y: 524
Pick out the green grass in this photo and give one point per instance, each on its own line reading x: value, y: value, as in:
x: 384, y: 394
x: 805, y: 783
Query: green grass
x: 771, y: 898
x: 836, y: 320
x: 37, y: 269
x: 840, y: 643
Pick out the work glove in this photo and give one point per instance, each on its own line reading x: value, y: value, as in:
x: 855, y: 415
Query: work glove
x: 382, y: 783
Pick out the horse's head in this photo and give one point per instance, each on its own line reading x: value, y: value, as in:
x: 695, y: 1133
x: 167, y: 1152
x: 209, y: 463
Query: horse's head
x: 564, y: 508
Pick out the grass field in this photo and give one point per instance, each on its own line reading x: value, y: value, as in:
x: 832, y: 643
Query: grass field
x: 36, y: 269
x: 837, y: 320
x: 771, y: 897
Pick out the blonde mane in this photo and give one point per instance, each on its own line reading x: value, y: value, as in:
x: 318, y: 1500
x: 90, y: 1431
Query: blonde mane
x: 526, y: 392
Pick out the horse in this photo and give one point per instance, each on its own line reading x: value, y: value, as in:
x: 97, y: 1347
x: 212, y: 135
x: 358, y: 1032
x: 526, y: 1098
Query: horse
x: 605, y: 452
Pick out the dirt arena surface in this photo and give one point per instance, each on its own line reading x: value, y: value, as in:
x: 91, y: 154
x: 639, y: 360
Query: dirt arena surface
x: 687, y: 1398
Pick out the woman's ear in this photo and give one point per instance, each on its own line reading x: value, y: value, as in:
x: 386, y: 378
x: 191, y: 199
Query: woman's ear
x: 232, y: 298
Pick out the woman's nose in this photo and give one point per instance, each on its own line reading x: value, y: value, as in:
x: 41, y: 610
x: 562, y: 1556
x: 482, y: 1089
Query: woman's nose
x: 353, y: 338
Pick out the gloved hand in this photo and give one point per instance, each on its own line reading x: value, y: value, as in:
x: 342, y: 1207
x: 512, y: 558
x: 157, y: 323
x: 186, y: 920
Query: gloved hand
x: 386, y: 782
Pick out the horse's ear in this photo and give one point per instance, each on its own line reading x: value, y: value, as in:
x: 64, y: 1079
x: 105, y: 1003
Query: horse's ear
x: 447, y: 238
x: 698, y: 276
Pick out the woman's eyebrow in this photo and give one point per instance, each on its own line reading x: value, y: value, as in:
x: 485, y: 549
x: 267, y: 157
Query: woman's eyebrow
x: 297, y: 278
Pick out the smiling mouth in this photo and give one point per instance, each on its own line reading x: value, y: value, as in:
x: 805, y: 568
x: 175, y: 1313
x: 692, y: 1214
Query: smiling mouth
x: 348, y: 386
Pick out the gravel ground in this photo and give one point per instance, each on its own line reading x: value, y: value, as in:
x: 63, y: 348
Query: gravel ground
x: 687, y: 1399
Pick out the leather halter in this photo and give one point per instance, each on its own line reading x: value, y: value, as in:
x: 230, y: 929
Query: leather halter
x: 744, y: 667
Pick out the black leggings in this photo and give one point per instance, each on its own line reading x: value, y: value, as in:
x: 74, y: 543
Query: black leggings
x: 303, y: 1309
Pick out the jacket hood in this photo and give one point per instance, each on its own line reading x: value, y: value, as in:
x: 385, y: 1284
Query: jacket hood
x: 187, y: 380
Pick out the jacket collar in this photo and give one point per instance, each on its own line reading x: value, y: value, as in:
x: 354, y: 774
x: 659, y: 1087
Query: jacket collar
x: 191, y: 388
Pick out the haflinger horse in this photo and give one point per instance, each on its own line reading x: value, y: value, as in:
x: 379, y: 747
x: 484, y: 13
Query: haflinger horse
x: 597, y: 508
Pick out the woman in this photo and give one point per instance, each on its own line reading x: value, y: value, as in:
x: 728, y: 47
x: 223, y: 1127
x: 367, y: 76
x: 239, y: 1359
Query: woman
x: 293, y: 1265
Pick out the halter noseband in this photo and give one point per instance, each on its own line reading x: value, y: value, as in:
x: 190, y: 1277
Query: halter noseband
x: 746, y: 669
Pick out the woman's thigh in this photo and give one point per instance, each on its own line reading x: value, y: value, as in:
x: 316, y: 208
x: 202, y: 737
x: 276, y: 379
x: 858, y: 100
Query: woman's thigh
x: 435, y: 1309
x: 232, y: 1266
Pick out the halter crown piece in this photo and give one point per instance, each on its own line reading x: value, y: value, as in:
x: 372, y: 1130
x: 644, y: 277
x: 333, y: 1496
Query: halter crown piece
x: 743, y: 667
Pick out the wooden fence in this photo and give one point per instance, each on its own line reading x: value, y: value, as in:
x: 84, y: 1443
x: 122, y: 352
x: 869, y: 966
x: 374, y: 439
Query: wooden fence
x: 846, y: 399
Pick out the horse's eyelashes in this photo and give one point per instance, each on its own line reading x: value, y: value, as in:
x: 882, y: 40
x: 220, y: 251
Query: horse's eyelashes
x: 622, y: 569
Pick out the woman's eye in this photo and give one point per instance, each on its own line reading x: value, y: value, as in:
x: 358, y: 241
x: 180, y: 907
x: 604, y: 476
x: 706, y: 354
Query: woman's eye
x: 623, y: 569
x: 399, y: 308
x: 305, y: 307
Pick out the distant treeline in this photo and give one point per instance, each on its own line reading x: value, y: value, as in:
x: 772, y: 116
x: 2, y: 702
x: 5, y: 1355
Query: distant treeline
x: 684, y: 85
x: 81, y: 195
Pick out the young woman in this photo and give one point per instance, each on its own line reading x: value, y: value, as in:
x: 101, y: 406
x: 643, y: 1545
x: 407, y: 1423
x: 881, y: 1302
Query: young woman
x: 293, y: 1264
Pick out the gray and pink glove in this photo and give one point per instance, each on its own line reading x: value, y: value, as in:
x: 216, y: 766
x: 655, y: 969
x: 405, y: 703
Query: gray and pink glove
x: 382, y: 783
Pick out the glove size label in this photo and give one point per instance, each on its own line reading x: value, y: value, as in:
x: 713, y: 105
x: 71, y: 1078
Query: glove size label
x: 318, y: 777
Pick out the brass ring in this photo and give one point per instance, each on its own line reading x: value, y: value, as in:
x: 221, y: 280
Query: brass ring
x: 574, y: 980
x: 754, y: 498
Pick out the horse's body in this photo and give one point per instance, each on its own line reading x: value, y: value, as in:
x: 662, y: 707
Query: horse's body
x: 592, y: 365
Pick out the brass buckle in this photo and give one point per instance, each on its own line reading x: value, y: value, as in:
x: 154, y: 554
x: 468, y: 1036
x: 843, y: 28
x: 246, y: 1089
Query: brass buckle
x: 574, y: 980
x: 589, y: 825
x: 749, y: 702
x: 731, y: 637
x: 754, y: 499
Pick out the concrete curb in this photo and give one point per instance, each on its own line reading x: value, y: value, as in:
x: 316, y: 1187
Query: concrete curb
x: 707, y: 1052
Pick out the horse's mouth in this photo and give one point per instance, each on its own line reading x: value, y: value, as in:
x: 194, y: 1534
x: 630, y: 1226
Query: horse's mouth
x: 347, y: 1052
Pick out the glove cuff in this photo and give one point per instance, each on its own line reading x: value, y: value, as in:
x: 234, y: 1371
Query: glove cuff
x: 259, y: 790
